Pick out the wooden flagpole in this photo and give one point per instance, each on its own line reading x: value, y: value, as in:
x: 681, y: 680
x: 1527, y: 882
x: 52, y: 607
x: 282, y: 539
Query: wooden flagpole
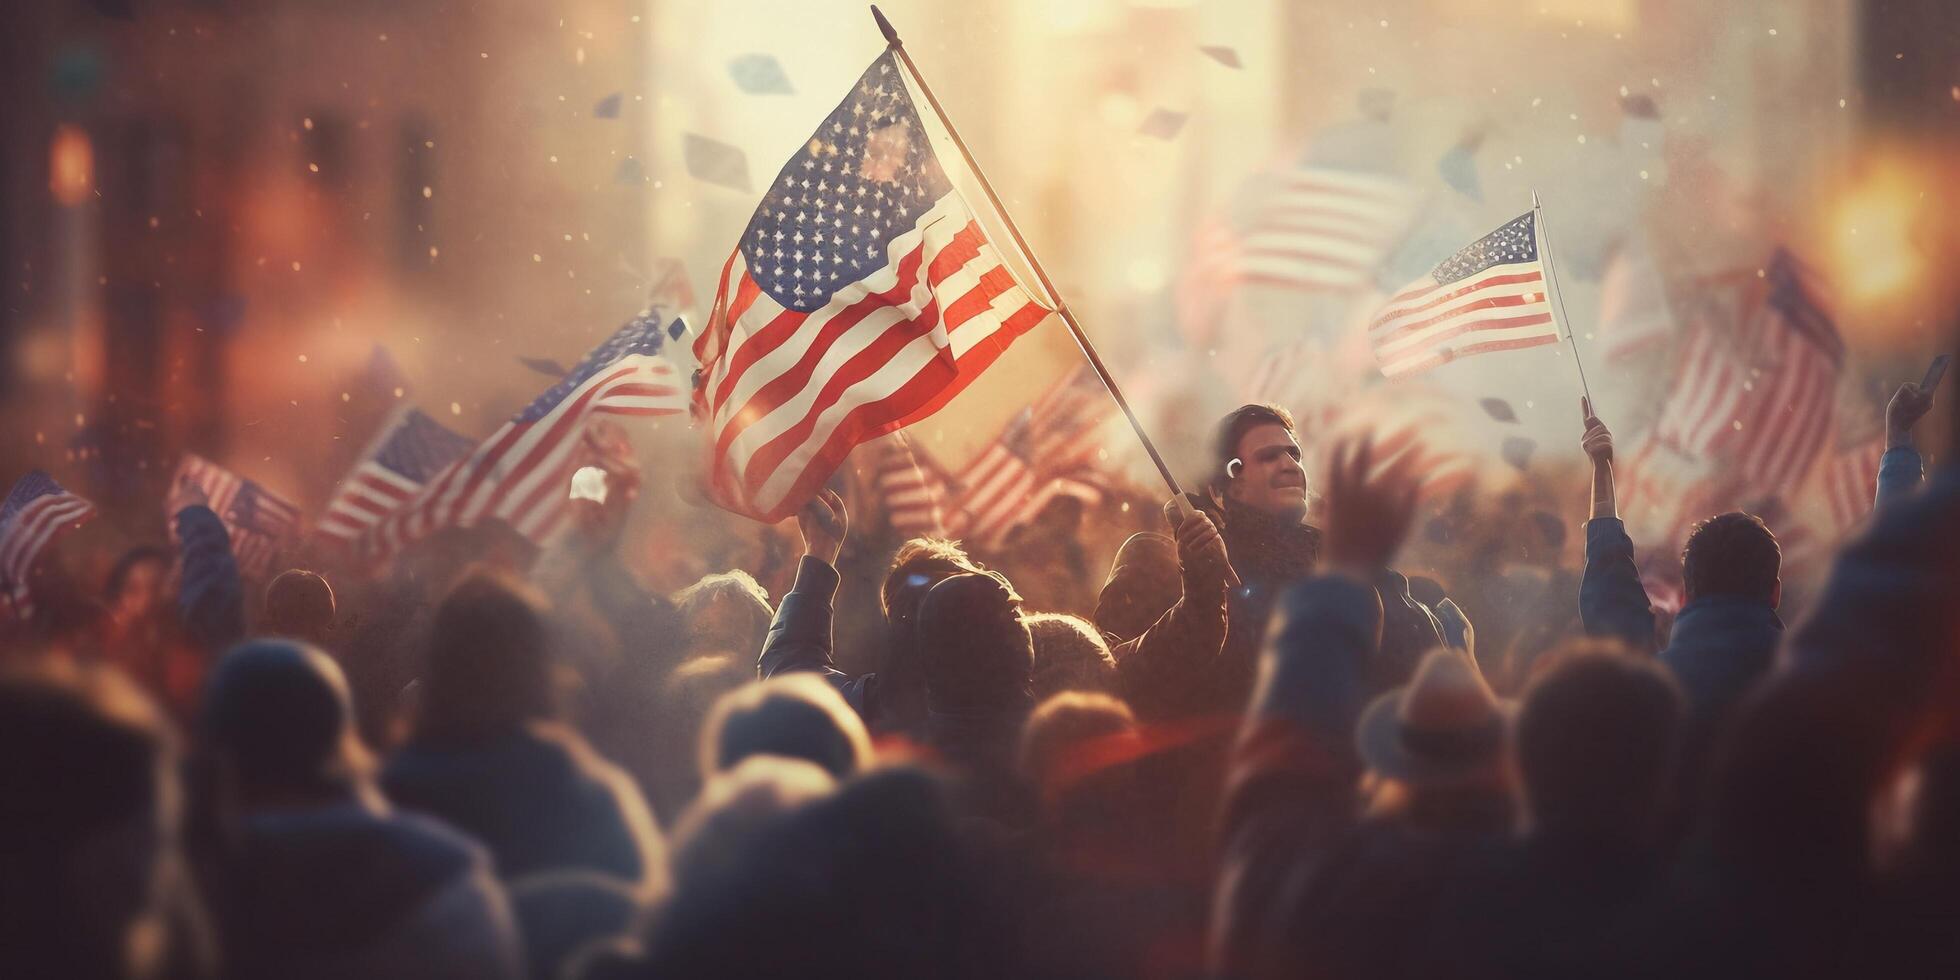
x: 1061, y: 305
x: 1557, y: 298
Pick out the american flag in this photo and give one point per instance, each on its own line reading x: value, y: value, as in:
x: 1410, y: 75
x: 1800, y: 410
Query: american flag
x: 1661, y: 491
x: 916, y: 493
x: 36, y: 511
x: 520, y: 475
x: 260, y: 522
x: 1052, y: 448
x: 1791, y: 407
x: 1757, y: 383
x: 861, y: 298
x: 1633, y: 311
x: 1487, y: 297
x: 410, y: 451
x: 1850, y: 483
x: 1322, y: 228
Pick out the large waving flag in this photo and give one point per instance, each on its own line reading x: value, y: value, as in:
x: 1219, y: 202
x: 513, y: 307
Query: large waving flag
x: 37, y: 510
x: 861, y: 298
x: 1488, y: 297
x: 521, y: 474
x: 410, y: 451
x: 261, y: 522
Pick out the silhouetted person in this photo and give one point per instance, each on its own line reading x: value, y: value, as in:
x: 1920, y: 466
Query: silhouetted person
x: 92, y: 885
x: 316, y: 876
x: 298, y: 604
x: 795, y: 716
x: 489, y: 757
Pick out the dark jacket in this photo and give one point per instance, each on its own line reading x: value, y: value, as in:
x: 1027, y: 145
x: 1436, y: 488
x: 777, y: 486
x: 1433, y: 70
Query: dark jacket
x: 343, y: 891
x: 1304, y: 882
x: 538, y: 797
x: 1270, y: 556
x: 1164, y: 666
x: 799, y: 640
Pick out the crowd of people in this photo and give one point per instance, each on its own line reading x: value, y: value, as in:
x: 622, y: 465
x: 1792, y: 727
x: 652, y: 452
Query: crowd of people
x: 1266, y: 754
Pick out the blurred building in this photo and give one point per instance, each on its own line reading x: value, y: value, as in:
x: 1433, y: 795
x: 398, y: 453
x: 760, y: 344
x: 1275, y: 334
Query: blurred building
x: 239, y: 227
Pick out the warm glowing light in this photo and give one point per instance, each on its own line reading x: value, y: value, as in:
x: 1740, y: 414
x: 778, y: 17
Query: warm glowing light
x: 71, y: 165
x: 1871, y: 236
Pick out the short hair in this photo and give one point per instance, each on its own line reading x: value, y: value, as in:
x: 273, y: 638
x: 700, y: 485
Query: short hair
x: 1071, y: 737
x: 1731, y: 554
x: 119, y: 572
x: 1232, y: 429
x: 278, y: 710
x: 487, y: 669
x: 81, y: 749
x: 300, y: 604
x: 83, y: 754
x: 735, y: 807
x: 796, y: 716
x: 1069, y: 655
x: 1597, y: 735
x: 920, y: 564
x: 735, y: 585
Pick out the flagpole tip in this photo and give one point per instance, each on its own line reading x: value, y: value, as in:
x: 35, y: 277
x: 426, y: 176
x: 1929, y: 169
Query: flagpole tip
x: 885, y: 27
x: 1534, y: 191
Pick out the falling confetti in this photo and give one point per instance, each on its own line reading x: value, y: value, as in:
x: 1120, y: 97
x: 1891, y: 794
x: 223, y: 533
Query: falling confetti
x: 608, y: 107
x: 545, y: 366
x: 1223, y: 55
x: 1163, y: 124
x: 1517, y: 451
x: 759, y: 74
x: 1499, y: 409
x: 715, y: 162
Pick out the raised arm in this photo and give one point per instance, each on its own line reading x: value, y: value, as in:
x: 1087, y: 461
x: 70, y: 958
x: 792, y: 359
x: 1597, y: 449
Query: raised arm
x: 210, y: 592
x: 1168, y: 668
x: 799, y: 637
x: 1900, y: 470
x: 1612, y: 602
x: 1293, y: 772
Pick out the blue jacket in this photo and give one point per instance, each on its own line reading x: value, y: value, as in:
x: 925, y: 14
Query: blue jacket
x: 1720, y: 645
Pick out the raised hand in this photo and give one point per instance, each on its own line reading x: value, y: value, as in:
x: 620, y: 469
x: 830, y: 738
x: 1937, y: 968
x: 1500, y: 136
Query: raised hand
x: 1367, y: 519
x: 823, y: 522
x: 185, y: 493
x: 1598, y: 441
x: 1908, y: 405
x: 1598, y: 444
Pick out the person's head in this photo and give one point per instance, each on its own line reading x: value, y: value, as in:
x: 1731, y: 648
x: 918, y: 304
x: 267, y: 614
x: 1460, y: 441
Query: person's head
x: 725, y: 611
x: 278, y: 723
x: 1068, y: 655
x: 88, y: 812
x: 298, y: 604
x: 973, y: 647
x: 920, y: 564
x: 1076, y: 750
x: 735, y: 806
x: 488, y: 670
x: 1256, y: 462
x: 1439, y: 742
x: 138, y: 583
x: 1595, y: 738
x: 796, y: 716
x: 1144, y: 583
x: 1734, y: 555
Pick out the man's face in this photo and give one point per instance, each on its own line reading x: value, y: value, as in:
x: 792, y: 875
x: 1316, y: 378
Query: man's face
x: 1271, y: 479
